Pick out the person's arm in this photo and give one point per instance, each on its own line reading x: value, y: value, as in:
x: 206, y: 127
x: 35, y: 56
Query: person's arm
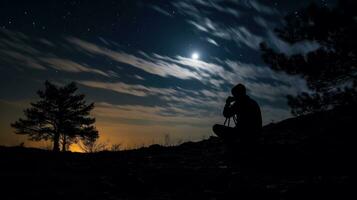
x: 229, y: 110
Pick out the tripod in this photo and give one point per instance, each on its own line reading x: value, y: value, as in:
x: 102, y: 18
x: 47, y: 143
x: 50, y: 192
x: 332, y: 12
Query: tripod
x: 228, y: 121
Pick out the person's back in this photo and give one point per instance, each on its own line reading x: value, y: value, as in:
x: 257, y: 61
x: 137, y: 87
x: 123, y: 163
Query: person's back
x: 249, y: 120
x: 248, y: 114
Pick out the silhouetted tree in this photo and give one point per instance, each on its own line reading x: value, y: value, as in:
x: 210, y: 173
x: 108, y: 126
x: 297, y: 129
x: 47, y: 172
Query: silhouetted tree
x: 60, y: 115
x: 330, y: 70
x: 91, y: 145
x: 115, y: 147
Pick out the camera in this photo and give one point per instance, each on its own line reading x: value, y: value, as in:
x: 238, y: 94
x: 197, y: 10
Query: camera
x: 230, y: 99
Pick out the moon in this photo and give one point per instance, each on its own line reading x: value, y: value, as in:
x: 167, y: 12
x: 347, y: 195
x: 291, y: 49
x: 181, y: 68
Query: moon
x: 195, y: 56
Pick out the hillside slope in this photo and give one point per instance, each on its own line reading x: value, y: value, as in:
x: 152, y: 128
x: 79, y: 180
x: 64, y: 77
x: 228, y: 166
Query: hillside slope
x: 306, y: 157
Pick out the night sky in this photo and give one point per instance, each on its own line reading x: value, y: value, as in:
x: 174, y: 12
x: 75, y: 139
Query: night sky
x: 153, y: 68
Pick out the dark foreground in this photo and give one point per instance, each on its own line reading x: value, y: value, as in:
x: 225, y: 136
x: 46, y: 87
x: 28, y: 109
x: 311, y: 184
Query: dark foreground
x: 300, y: 158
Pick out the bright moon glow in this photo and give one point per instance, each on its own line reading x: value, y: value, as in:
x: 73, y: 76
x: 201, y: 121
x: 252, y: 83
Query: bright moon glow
x: 195, y: 56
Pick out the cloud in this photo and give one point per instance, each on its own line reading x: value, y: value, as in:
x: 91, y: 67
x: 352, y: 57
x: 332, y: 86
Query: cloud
x: 136, y: 90
x: 212, y: 41
x: 198, y: 17
x: 269, y: 92
x: 234, y: 30
x: 193, y: 7
x: 301, y: 47
x: 263, y: 22
x: 153, y: 114
x: 178, y: 97
x: 46, y: 42
x: 202, y: 16
x: 157, y: 67
x: 261, y: 8
x: 251, y: 75
x: 138, y: 77
x: 215, y: 5
x: 198, y: 26
x: 162, y: 11
x: 71, y: 66
x: 241, y: 35
x: 187, y: 8
x: 15, y: 58
x: 21, y: 50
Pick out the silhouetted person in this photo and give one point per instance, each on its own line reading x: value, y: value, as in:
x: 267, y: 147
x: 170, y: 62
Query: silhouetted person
x: 246, y: 116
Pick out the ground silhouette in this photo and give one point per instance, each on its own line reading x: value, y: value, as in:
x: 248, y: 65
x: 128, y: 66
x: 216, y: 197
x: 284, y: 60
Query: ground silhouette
x: 299, y: 158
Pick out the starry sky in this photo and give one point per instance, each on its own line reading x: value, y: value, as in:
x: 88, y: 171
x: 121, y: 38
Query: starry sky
x: 134, y: 59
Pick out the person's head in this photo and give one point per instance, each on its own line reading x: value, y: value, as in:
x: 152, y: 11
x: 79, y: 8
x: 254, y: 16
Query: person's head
x: 238, y: 91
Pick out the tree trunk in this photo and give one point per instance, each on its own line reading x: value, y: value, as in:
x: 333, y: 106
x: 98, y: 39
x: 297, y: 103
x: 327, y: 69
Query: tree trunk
x: 56, y: 139
x: 64, y: 143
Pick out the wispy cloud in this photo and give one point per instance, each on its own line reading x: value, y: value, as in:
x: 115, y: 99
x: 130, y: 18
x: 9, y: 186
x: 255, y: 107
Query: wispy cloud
x: 136, y: 90
x: 151, y: 114
x: 18, y: 59
x: 198, y: 17
x: 261, y: 8
x: 297, y: 48
x: 212, y: 41
x: 20, y: 50
x: 162, y: 11
x: 157, y: 67
x: 71, y: 66
x: 202, y: 16
x: 177, y: 97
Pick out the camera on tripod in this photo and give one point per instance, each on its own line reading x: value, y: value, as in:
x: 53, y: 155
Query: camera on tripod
x: 230, y: 99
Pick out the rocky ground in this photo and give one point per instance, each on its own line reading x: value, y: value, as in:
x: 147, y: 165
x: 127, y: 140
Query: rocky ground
x: 299, y: 158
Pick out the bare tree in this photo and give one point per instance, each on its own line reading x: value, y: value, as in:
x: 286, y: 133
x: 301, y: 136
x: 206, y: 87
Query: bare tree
x: 115, y: 147
x: 89, y: 145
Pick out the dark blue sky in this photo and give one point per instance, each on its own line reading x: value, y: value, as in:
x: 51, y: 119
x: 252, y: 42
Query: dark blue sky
x: 133, y: 58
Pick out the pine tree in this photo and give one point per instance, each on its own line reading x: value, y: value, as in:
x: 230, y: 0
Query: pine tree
x: 60, y: 116
x: 331, y: 70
